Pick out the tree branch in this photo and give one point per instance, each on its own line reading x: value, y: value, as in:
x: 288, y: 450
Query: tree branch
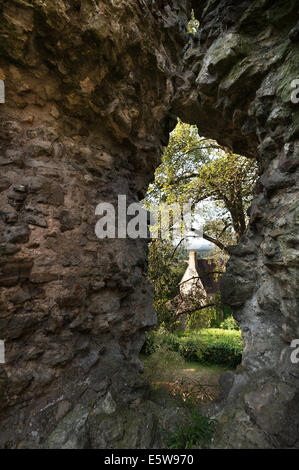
x: 203, y: 275
x: 173, y: 253
x: 216, y: 242
x: 200, y: 307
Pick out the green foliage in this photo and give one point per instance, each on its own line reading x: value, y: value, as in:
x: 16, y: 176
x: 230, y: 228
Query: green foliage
x: 197, y: 169
x: 196, y: 435
x: 193, y: 24
x: 201, y: 318
x: 207, y: 346
x: 220, y: 347
x: 214, y: 316
x: 190, y: 349
x: 160, y: 339
x: 166, y: 269
x: 229, y: 179
x: 220, y: 314
x: 229, y: 324
x: 163, y: 363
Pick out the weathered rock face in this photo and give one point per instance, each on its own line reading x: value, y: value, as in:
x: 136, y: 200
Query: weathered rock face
x: 237, y: 87
x: 88, y: 91
x: 91, y: 91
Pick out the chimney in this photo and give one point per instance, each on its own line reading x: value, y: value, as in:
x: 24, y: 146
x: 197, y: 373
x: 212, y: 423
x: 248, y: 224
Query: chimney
x: 192, y: 260
x: 190, y: 283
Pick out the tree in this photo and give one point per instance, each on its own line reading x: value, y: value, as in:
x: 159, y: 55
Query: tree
x: 197, y: 169
x: 166, y: 268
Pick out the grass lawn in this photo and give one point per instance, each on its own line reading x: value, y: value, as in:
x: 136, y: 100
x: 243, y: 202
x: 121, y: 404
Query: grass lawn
x: 187, y: 379
x: 189, y: 363
x: 206, y: 346
x: 192, y: 366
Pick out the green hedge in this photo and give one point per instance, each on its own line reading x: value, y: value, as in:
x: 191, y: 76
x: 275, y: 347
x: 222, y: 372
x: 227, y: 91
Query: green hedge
x: 207, y: 346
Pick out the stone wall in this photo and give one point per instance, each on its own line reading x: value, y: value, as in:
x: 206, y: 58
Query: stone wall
x: 236, y: 86
x: 88, y: 92
x: 92, y: 90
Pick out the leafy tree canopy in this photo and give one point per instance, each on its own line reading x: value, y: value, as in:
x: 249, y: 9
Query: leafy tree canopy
x: 197, y: 169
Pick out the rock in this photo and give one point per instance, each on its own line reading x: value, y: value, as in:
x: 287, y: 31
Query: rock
x: 12, y: 272
x: 226, y: 381
x: 20, y: 297
x: 43, y: 277
x: 4, y: 184
x: 230, y: 59
x: 36, y: 220
x: 35, y: 209
x: 294, y: 33
x: 63, y: 408
x: 100, y: 426
x: 8, y: 214
x: 108, y: 404
x: 19, y: 188
x: 16, y: 197
x: 68, y: 220
x: 8, y: 249
x: 98, y: 132
x: 74, y: 298
x: 17, y: 234
x: 71, y: 433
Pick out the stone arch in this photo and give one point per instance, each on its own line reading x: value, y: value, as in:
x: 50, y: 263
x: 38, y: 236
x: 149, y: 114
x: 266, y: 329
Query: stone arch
x: 89, y: 105
x: 240, y: 93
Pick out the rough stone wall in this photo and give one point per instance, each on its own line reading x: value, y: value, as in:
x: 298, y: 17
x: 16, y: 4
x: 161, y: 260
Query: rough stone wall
x: 91, y: 88
x: 88, y: 91
x: 236, y: 86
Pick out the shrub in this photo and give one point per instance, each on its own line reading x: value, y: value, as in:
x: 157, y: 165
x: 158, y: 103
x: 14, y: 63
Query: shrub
x: 202, y: 318
x: 207, y: 346
x: 196, y: 435
x: 160, y: 338
x: 229, y: 324
x: 163, y: 364
x: 188, y: 349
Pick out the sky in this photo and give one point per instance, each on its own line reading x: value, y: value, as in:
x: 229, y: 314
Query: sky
x: 198, y: 243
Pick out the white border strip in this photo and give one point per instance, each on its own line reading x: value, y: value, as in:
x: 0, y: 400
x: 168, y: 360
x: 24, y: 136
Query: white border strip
x: 2, y: 92
x: 2, y: 352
